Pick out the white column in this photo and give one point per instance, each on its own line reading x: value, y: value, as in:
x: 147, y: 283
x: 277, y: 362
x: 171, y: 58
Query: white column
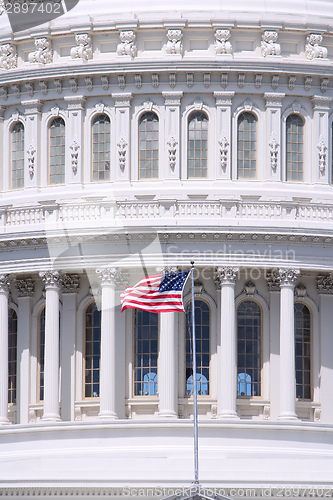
x: 273, y: 136
x: 25, y: 288
x: 325, y: 291
x: 227, y: 383
x: 168, y: 365
x: 2, y: 149
x: 321, y: 135
x: 273, y: 281
x: 123, y: 136
x: 108, y: 375
x: 172, y: 101
x: 70, y: 287
x: 4, y: 291
x: 223, y: 127
x: 288, y: 279
x: 52, y: 280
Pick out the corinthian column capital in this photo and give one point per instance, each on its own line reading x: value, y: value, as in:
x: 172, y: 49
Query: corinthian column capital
x: 288, y: 277
x: 70, y: 283
x: 51, y: 279
x: 225, y: 276
x: 5, y: 281
x: 112, y: 276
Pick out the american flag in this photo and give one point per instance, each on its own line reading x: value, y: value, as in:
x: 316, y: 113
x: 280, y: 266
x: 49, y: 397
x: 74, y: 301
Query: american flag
x: 160, y: 293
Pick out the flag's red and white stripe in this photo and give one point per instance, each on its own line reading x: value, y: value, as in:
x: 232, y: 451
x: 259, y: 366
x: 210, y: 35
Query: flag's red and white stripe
x: 145, y: 295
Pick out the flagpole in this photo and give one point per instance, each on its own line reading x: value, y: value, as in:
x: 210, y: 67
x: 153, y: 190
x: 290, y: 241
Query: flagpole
x: 195, y: 399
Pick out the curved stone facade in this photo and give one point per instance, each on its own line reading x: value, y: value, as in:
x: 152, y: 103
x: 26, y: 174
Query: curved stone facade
x: 131, y: 143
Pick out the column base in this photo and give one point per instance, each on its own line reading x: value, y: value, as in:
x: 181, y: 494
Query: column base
x: 228, y: 416
x: 4, y: 421
x: 289, y: 416
x: 167, y: 414
x: 51, y: 418
x: 108, y: 415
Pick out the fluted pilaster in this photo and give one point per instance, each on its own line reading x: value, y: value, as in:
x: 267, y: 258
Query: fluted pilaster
x: 52, y: 283
x: 288, y: 279
x: 5, y: 280
x: 225, y: 279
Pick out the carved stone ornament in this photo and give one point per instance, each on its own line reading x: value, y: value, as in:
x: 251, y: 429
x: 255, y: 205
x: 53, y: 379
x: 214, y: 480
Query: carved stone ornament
x: 127, y: 45
x: 43, y: 53
x: 167, y: 269
x: 70, y: 283
x: 322, y: 152
x: 138, y: 80
x: 73, y: 84
x: 288, y: 277
x: 8, y: 56
x: 83, y: 49
x: 31, y: 160
x: 225, y: 276
x: 58, y: 85
x: 273, y: 151
x: 267, y: 412
x: 325, y: 285
x: 122, y: 148
x: 155, y: 80
x: 224, y: 149
x: 30, y: 88
x: 313, y: 48
x: 25, y: 287
x: 5, y: 281
x: 222, y: 45
x: 224, y: 80
x: 105, y: 82
x: 51, y: 279
x: 273, y: 280
x: 241, y: 80
x: 291, y: 82
x: 174, y: 44
x: 2, y: 7
x: 317, y: 415
x: 112, y: 276
x: 268, y: 45
x: 250, y: 289
x: 74, y: 155
x: 3, y: 92
x: 300, y: 291
x: 172, y: 150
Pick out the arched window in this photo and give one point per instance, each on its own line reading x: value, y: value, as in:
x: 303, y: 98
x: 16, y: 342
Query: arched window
x: 249, y: 349
x: 294, y: 148
x: 12, y: 355
x: 302, y: 351
x: 57, y: 151
x: 92, y: 351
x: 145, y: 353
x: 101, y: 148
x: 17, y: 149
x: 247, y: 146
x: 41, y: 353
x: 148, y: 146
x: 197, y: 152
x: 202, y: 336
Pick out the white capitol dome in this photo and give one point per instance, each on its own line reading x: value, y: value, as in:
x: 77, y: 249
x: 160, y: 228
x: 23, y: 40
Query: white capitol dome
x: 134, y: 138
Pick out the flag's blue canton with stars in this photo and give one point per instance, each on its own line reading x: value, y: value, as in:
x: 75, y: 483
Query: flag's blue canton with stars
x: 160, y: 293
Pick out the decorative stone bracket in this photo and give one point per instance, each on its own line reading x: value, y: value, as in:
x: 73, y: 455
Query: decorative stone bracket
x: 122, y: 148
x: 222, y: 45
x: 268, y: 45
x: 43, y: 53
x: 322, y: 153
x: 224, y: 149
x: 174, y: 45
x: 83, y: 50
x: 74, y: 155
x: 273, y: 151
x: 31, y: 160
x: 172, y: 150
x: 313, y: 48
x: 8, y: 56
x: 127, y: 45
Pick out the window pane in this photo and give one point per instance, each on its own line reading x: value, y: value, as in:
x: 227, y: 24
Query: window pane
x: 12, y: 355
x: 302, y: 351
x: 92, y: 351
x: 202, y: 335
x: 146, y: 351
x: 57, y: 151
x: 197, y: 152
x: 249, y: 342
x: 294, y: 148
x: 148, y: 149
x: 247, y: 146
x: 101, y: 148
x: 41, y: 353
x: 17, y: 147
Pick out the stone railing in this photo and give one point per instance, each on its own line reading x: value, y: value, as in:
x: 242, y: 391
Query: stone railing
x: 152, y: 213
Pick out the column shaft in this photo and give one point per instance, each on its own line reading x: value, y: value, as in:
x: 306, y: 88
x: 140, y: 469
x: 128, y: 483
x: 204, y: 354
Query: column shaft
x: 3, y: 350
x: 168, y: 366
